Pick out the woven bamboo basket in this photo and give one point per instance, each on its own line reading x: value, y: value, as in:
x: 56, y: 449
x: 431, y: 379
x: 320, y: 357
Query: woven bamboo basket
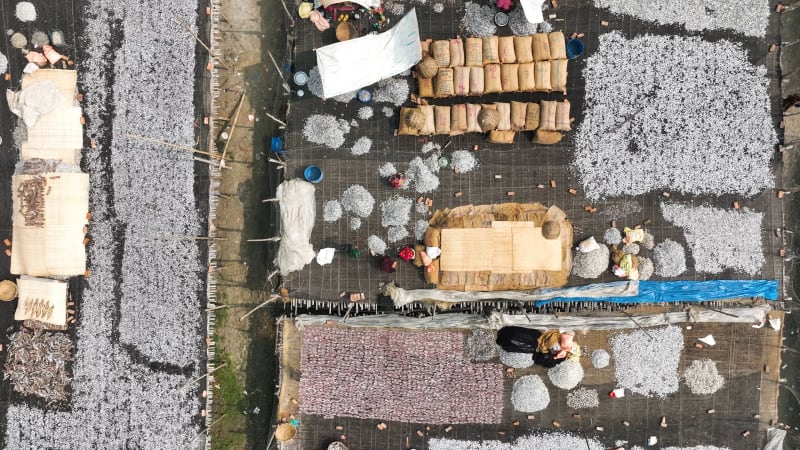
x: 427, y: 68
x: 8, y: 290
x: 285, y: 432
x: 346, y: 31
x: 415, y: 119
x: 551, y: 229
x: 488, y: 119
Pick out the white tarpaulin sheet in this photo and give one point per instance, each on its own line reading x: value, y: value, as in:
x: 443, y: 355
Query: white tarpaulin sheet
x: 350, y: 65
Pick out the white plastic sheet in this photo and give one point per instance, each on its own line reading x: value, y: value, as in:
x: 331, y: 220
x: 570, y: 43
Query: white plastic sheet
x: 533, y: 10
x: 350, y: 65
x: 296, y: 199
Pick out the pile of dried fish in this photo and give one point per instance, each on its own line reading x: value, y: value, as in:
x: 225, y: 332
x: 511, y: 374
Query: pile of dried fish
x: 31, y: 198
x: 37, y: 308
x: 36, y: 364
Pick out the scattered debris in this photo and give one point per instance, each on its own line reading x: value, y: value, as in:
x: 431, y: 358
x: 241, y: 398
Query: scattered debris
x: 566, y: 375
x: 648, y: 241
x: 703, y: 378
x: 600, y: 359
x: 463, y: 161
x: 592, y: 264
x: 621, y: 209
x: 365, y: 112
x: 479, y: 20
x: 438, y: 8
x: 515, y: 360
x: 632, y: 248
x: 395, y: 8
x: 357, y: 200
x: 362, y: 146
x: 332, y: 211
x: 420, y: 227
x: 39, y: 38
x: 3, y: 63
x: 646, y: 361
x: 18, y: 40
x: 326, y: 130
x: 583, y: 398
x: 387, y: 111
x: 669, y: 258
x: 480, y: 346
x: 529, y: 394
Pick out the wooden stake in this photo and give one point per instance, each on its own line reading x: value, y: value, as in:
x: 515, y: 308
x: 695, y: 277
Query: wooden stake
x: 272, y: 239
x: 233, y: 126
x: 271, y: 299
x: 169, y: 144
x: 277, y: 120
x: 288, y: 14
x: 195, y: 380
x: 197, y: 38
x: 278, y: 69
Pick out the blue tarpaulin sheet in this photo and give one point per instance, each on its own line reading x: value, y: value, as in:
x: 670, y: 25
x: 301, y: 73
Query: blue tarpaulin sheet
x: 685, y: 291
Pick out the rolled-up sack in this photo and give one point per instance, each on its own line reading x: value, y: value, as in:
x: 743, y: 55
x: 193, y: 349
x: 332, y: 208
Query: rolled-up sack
x: 404, y: 129
x: 427, y: 68
x: 488, y: 117
x: 547, y: 137
x: 501, y: 137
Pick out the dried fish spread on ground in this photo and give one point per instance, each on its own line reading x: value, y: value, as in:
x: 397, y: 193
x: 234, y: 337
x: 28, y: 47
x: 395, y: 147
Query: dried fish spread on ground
x: 479, y: 20
x: 646, y: 268
x: 620, y: 209
x: 332, y: 211
x: 463, y: 161
x: 612, y: 236
x: 669, y: 259
x: 583, y: 398
x: 397, y: 233
x: 600, y: 359
x: 438, y: 8
x: 421, y: 177
x: 392, y: 90
x: 519, y: 23
x: 376, y: 245
x: 358, y: 201
x: 355, y: 223
x: 696, y: 447
x: 538, y: 441
x: 646, y: 361
x: 362, y: 146
x: 684, y: 114
x: 702, y: 377
x: 365, y: 112
x: 515, y: 360
x: 592, y: 264
x: 480, y: 345
x: 429, y: 147
x: 749, y: 17
x: 396, y: 211
x: 648, y: 241
x: 420, y: 227
x: 36, y: 364
x: 129, y: 367
x: 719, y: 239
x: 26, y: 12
x: 632, y: 248
x: 529, y: 394
x: 566, y: 375
x: 385, y: 374
x: 326, y: 130
x: 387, y: 170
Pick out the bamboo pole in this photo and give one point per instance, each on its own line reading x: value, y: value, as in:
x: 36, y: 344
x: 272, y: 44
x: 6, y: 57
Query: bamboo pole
x: 278, y: 69
x: 169, y: 144
x: 272, y: 239
x: 233, y: 126
x: 209, y: 428
x: 288, y: 14
x: 269, y: 300
x: 197, y: 38
x: 277, y: 120
x: 195, y: 380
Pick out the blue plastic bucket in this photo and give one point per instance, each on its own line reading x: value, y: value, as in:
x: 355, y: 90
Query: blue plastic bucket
x: 313, y: 174
x: 575, y: 48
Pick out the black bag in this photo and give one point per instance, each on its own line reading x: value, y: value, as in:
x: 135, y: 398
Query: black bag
x: 518, y: 339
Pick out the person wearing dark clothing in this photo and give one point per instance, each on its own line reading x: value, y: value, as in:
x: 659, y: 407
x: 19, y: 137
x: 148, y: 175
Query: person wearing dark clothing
x: 547, y: 348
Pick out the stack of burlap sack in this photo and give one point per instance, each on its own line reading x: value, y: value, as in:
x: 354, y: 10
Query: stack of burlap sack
x: 501, y: 120
x: 493, y: 64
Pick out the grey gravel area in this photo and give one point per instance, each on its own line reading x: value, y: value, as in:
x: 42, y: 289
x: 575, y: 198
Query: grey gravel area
x: 612, y: 236
x: 566, y: 375
x: 357, y: 200
x: 515, y: 360
x: 376, y: 244
x: 479, y: 345
x: 696, y: 447
x: 592, y: 264
x: 646, y: 361
x: 538, y: 441
x: 719, y: 239
x: 583, y: 398
x: 646, y: 268
x: 702, y: 377
x: 749, y: 17
x: 326, y: 130
x: 479, y: 20
x: 641, y: 92
x: 600, y: 359
x: 396, y: 211
x: 332, y: 211
x: 39, y: 38
x: 669, y: 258
x: 529, y: 394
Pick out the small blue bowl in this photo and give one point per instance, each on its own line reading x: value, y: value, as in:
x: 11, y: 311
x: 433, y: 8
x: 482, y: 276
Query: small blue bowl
x: 575, y: 48
x: 364, y: 96
x: 313, y: 174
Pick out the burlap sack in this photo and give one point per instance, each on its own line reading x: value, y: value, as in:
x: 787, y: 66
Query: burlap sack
x: 441, y: 52
x: 461, y: 80
x: 491, y: 53
x: 518, y: 112
x: 547, y: 117
x: 415, y: 119
x: 501, y: 137
x: 541, y: 47
x: 456, y: 52
x: 505, y: 46
x: 547, y: 137
x: 472, y: 118
x: 458, y: 119
x: 505, y: 116
x: 558, y: 75
x: 444, y: 83
x: 523, y: 49
x: 491, y: 79
x: 488, y: 117
x: 476, y: 83
x: 404, y: 129
x: 425, y: 87
x: 527, y: 81
x: 426, y: 46
x: 541, y: 76
x: 473, y: 52
x: 558, y: 48
x: 509, y: 77
x: 427, y: 68
x: 562, y: 116
x: 430, y: 123
x: 442, y: 118
x: 532, y: 117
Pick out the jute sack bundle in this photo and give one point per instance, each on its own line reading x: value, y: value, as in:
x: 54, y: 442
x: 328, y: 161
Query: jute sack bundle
x: 425, y: 86
x: 541, y: 76
x: 441, y: 52
x: 547, y: 137
x: 444, y: 83
x: 523, y: 49
x: 473, y: 52
x: 541, y: 47
x: 509, y: 77
x: 488, y: 117
x: 527, y: 80
x: 426, y: 46
x: 427, y: 68
x: 472, y: 118
x: 518, y: 112
x: 458, y: 119
x: 491, y: 79
x: 505, y: 116
x: 461, y: 80
x: 491, y: 53
x: 501, y: 137
x: 476, y: 83
x: 456, y: 52
x: 558, y: 48
x: 532, y: 117
x: 404, y: 129
x: 558, y: 75
x: 415, y: 119
x: 506, y: 48
x: 562, y: 116
x: 547, y: 117
x: 442, y: 118
x: 430, y: 124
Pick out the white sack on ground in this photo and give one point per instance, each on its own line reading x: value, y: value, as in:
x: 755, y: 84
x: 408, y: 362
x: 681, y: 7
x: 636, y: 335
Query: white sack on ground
x: 34, y: 101
x: 350, y: 65
x: 296, y: 199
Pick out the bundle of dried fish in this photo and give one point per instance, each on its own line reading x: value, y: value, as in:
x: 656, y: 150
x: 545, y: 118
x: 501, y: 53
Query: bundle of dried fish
x: 36, y: 364
x: 37, y: 308
x: 31, y: 198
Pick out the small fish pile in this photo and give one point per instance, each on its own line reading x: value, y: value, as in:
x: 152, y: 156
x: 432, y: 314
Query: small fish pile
x: 36, y: 364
